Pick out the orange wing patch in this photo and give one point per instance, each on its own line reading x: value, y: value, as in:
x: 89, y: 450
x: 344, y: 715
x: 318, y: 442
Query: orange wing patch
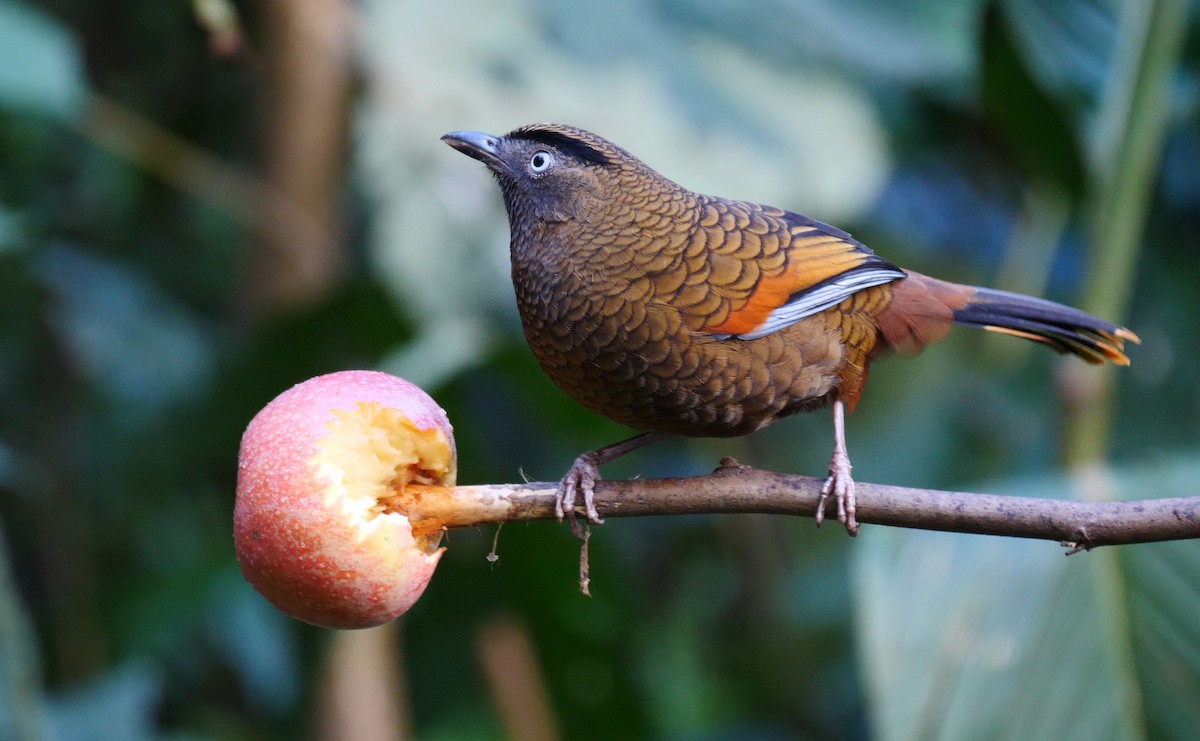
x: 813, y: 257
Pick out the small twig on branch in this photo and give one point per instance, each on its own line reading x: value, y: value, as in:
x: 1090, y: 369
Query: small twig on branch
x: 734, y: 488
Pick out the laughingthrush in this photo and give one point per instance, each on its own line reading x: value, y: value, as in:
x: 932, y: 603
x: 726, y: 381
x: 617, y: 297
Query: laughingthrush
x: 678, y: 313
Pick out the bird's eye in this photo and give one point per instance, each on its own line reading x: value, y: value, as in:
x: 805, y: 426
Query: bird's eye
x: 540, y: 162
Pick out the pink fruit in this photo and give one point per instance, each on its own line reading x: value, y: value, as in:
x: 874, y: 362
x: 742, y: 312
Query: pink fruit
x: 320, y: 472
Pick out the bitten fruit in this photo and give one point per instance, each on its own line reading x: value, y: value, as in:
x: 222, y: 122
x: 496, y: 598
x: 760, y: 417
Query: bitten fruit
x: 319, y: 469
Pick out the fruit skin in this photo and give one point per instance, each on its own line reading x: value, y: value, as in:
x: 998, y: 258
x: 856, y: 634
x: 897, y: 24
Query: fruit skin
x: 297, y: 544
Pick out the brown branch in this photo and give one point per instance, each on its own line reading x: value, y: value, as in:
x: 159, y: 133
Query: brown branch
x: 1082, y: 525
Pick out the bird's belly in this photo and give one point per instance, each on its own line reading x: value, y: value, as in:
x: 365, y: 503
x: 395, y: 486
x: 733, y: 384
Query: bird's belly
x: 664, y: 378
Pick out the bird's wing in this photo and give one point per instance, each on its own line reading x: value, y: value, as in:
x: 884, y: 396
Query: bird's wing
x: 764, y: 269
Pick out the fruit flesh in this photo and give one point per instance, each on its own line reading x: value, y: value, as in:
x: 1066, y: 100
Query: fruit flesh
x: 370, y: 455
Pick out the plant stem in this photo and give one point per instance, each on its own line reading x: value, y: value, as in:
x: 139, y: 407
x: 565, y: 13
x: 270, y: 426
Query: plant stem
x: 1125, y: 155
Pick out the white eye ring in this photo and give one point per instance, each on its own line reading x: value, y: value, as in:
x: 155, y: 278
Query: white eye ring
x: 540, y: 162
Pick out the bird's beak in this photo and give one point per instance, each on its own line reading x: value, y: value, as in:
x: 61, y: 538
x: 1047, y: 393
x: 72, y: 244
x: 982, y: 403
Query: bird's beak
x: 481, y: 146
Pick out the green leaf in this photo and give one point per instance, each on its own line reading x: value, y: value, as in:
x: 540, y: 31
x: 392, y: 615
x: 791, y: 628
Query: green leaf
x: 10, y: 230
x: 41, y: 68
x: 1033, y: 126
x: 120, y: 704
x: 926, y: 43
x: 1068, y: 45
x: 257, y: 641
x: 130, y: 337
x: 966, y: 636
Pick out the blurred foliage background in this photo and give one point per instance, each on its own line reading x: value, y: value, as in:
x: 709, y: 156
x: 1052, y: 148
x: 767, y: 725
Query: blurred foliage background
x: 203, y: 203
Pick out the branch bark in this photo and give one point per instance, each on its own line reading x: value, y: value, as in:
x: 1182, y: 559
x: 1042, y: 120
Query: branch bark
x: 1080, y: 525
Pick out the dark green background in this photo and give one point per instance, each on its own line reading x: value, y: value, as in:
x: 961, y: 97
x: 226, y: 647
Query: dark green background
x: 146, y: 315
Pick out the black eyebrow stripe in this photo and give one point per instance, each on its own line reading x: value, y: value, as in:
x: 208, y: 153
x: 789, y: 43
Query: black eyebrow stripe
x: 569, y: 145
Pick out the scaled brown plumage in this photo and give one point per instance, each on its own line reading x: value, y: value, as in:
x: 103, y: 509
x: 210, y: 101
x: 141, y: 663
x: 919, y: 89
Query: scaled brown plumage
x: 677, y: 313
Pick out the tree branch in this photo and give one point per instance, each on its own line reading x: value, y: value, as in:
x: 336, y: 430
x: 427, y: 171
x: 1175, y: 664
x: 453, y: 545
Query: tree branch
x: 1081, y: 525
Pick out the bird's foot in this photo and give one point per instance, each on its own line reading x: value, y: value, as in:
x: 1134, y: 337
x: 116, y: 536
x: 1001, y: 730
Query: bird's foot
x: 839, y: 485
x: 580, y: 479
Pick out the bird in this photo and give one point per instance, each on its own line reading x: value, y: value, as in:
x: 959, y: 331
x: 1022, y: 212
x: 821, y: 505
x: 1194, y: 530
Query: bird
x: 682, y: 314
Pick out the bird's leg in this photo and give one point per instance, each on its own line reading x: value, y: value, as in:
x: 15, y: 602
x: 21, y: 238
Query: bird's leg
x: 840, y: 484
x: 585, y: 472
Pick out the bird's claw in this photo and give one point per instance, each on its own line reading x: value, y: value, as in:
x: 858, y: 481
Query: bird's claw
x: 580, y: 479
x: 839, y: 485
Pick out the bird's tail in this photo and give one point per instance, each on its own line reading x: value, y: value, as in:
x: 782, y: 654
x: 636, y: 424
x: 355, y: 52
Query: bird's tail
x: 1065, y: 329
x: 922, y: 309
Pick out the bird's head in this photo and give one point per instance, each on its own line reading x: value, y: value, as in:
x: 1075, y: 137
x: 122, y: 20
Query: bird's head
x: 551, y: 172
